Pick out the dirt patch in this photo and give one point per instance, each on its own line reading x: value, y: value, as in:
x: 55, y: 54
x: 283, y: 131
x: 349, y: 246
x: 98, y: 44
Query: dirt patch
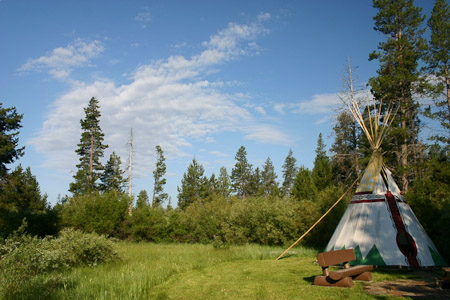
x: 425, y: 287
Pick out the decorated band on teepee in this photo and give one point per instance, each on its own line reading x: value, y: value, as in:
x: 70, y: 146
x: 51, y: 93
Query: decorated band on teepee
x: 378, y: 223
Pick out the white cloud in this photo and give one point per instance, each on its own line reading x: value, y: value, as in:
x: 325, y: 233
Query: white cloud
x: 279, y: 107
x: 144, y: 17
x: 268, y: 134
x: 166, y: 102
x: 61, y: 61
x: 319, y: 104
x: 260, y: 110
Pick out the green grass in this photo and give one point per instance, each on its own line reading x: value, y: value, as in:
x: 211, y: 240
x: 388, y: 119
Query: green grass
x: 154, y: 271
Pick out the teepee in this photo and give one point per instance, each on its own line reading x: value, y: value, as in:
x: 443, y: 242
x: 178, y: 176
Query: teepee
x: 378, y: 223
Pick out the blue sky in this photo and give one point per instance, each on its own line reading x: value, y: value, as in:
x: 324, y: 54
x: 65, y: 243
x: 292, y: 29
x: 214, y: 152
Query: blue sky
x: 199, y: 78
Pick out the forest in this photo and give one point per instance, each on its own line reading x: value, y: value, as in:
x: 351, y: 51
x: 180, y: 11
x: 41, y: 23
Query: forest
x: 252, y: 204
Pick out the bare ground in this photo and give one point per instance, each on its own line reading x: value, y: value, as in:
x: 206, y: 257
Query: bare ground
x: 426, y: 286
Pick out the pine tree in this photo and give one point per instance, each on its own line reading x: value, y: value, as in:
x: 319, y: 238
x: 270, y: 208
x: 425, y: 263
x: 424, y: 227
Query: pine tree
x: 90, y: 149
x: 112, y: 178
x: 255, y: 187
x: 241, y: 174
x: 438, y: 60
x: 399, y: 78
x: 321, y: 173
x: 303, y: 185
x: 21, y: 197
x: 158, y: 174
x: 345, y: 160
x: 224, y: 183
x: 269, y: 179
x: 9, y: 126
x: 193, y: 185
x: 142, y: 199
x: 289, y: 173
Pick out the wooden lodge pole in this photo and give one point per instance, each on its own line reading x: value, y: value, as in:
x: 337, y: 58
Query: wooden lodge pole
x: 321, y: 218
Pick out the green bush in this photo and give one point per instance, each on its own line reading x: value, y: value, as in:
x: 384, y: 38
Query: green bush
x: 147, y: 224
x: 102, y: 213
x: 24, y: 259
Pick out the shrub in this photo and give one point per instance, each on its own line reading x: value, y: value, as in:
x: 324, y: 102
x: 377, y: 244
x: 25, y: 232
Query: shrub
x: 102, y: 213
x: 147, y: 224
x: 23, y: 259
x: 84, y: 249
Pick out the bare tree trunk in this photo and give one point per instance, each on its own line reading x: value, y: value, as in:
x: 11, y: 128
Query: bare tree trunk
x: 447, y: 82
x: 404, y: 154
x: 130, y: 163
x: 91, y: 158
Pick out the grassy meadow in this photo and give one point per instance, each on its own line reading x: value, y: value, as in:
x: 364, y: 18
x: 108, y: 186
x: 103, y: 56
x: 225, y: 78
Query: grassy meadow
x: 195, y: 271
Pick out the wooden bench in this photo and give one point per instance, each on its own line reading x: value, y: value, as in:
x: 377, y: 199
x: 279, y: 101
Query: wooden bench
x: 342, y: 277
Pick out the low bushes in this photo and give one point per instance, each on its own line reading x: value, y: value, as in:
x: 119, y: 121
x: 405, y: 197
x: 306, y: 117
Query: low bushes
x: 24, y: 259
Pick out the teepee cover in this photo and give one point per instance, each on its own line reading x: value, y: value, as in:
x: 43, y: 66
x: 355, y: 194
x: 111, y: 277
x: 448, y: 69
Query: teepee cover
x: 378, y: 223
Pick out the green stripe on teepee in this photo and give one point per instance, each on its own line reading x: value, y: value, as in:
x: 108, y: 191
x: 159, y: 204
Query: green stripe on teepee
x: 372, y: 258
x: 437, y: 258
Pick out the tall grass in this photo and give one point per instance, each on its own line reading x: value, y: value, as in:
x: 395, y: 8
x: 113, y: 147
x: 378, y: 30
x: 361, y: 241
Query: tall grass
x: 145, y: 266
x: 196, y: 271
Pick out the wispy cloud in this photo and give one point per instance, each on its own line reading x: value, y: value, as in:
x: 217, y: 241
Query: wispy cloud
x: 167, y: 102
x: 144, y: 17
x: 61, y: 61
x: 279, y: 107
x: 268, y: 134
x: 319, y: 104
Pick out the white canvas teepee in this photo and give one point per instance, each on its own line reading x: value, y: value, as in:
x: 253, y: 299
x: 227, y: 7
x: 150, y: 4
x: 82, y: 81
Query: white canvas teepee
x: 378, y: 223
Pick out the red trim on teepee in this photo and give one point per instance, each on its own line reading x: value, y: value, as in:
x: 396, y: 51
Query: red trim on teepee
x: 366, y: 201
x: 405, y: 242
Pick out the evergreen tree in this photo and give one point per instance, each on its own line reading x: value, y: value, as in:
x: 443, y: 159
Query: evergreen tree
x: 224, y: 183
x: 112, y: 178
x: 193, y: 185
x: 399, y: 78
x: 142, y: 199
x: 269, y: 178
x: 241, y: 174
x: 255, y: 187
x: 345, y: 160
x: 289, y: 173
x: 212, y: 184
x: 438, y: 60
x: 321, y: 173
x: 303, y: 185
x: 90, y: 149
x: 158, y: 174
x: 20, y: 197
x: 9, y: 126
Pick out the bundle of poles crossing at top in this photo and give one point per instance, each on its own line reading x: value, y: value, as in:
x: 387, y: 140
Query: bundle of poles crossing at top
x: 375, y: 133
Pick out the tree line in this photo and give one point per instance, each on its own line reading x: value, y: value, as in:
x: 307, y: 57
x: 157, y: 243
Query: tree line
x: 249, y: 204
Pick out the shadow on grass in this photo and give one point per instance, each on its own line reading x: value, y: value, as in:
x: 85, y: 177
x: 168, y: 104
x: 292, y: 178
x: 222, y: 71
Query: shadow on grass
x: 41, y: 288
x: 309, y: 279
x: 288, y: 255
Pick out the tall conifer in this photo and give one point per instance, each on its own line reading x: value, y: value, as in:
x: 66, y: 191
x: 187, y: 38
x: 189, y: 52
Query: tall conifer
x: 193, y: 185
x: 399, y: 79
x: 9, y: 126
x: 269, y: 178
x: 321, y: 173
x: 241, y: 174
x: 158, y: 174
x: 112, y: 177
x: 438, y: 60
x: 289, y: 172
x: 90, y: 149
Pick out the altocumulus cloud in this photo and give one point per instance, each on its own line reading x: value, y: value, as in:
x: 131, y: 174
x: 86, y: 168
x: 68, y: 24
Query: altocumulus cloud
x: 61, y: 61
x: 167, y: 102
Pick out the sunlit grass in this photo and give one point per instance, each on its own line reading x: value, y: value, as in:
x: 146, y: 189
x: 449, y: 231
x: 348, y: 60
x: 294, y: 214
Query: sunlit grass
x: 155, y: 271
